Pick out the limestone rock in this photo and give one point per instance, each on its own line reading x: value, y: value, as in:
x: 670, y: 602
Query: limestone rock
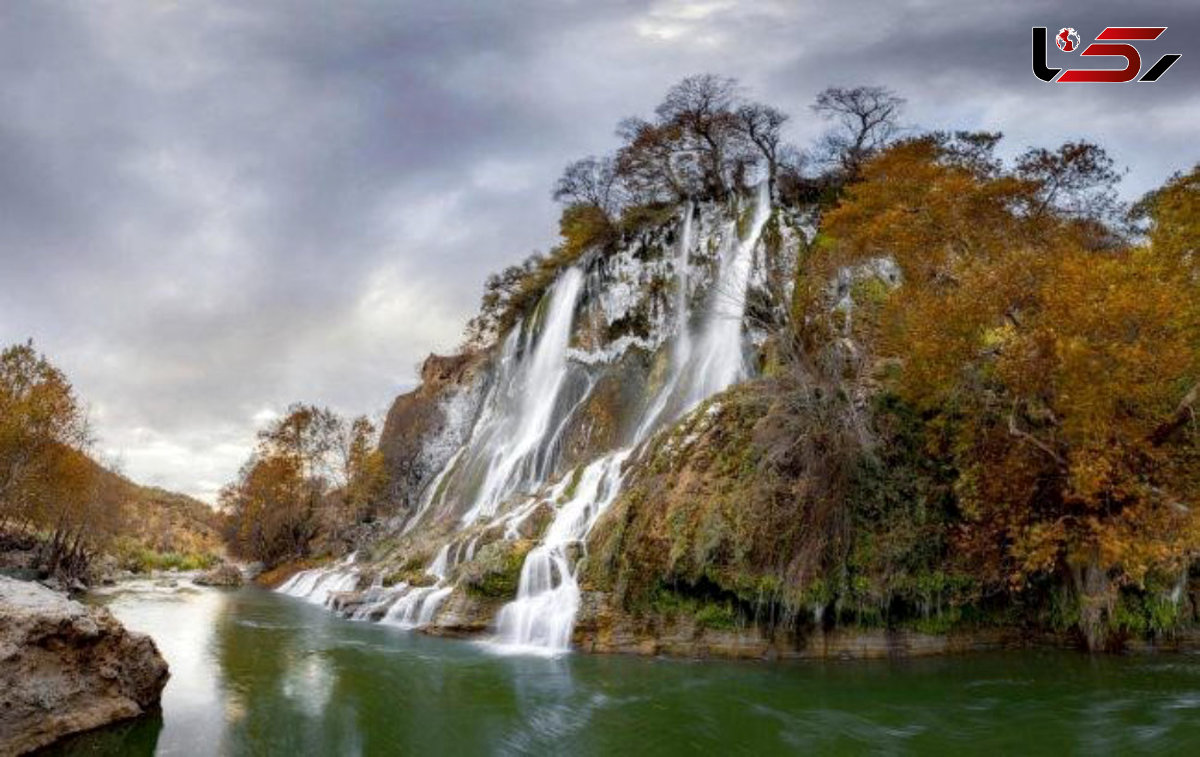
x: 65, y: 668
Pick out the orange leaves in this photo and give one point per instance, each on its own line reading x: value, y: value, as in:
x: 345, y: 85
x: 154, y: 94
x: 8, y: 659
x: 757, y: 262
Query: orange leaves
x: 1055, y: 362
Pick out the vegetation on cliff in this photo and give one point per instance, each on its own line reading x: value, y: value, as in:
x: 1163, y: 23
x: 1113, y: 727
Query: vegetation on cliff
x: 1008, y: 436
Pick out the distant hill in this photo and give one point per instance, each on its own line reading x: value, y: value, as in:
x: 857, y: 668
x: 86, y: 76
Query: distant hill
x: 161, y: 528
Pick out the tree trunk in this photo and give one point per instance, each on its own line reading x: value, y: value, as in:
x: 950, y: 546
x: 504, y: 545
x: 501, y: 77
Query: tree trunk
x: 1096, y: 597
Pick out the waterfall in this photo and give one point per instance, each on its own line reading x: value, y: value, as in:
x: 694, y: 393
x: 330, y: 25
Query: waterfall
x: 515, y: 457
x: 720, y: 360
x: 316, y: 585
x: 513, y: 448
x: 542, y: 617
x: 682, y: 351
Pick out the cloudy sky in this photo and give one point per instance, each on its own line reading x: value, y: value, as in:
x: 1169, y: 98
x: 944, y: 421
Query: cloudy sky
x: 211, y: 209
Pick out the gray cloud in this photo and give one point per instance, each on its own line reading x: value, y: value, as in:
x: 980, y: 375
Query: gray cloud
x: 210, y: 210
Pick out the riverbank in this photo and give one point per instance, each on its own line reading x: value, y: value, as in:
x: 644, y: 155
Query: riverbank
x: 353, y: 592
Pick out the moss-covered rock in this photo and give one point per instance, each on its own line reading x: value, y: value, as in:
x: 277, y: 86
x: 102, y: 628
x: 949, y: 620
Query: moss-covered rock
x: 496, y: 571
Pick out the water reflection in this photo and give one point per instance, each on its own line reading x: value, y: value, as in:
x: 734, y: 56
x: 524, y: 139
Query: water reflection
x: 256, y: 673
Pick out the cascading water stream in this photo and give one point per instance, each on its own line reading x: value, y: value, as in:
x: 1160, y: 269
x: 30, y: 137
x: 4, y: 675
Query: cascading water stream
x: 720, y: 360
x: 682, y: 351
x: 512, y: 447
x: 542, y: 617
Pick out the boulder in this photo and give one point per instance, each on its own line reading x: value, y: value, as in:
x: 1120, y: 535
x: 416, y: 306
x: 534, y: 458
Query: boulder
x: 65, y: 668
x: 223, y: 575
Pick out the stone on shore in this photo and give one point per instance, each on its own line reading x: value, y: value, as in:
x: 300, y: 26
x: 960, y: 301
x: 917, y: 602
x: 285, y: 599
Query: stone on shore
x: 66, y: 668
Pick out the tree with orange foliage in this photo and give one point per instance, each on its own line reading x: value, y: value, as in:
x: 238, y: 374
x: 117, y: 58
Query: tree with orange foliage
x: 48, y: 485
x: 1065, y: 373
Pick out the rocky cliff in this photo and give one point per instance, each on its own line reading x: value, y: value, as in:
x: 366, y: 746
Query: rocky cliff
x: 504, y: 459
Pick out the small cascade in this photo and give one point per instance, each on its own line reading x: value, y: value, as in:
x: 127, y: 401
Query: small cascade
x: 316, y: 585
x: 431, y: 491
x: 542, y: 616
x: 682, y: 352
x: 416, y: 606
x: 720, y: 360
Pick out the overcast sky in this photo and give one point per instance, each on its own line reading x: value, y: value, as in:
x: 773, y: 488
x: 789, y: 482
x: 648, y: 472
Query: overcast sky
x: 211, y: 209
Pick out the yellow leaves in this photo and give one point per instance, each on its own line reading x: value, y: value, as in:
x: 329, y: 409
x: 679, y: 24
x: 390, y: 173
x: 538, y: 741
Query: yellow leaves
x: 1059, y: 361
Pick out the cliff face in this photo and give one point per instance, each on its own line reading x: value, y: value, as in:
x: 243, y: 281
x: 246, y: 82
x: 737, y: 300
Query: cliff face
x: 66, y: 668
x: 504, y: 460
x: 424, y: 426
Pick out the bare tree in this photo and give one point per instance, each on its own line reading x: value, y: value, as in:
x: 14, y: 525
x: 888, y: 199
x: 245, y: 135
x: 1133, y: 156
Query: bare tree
x: 591, y: 181
x: 867, y: 118
x: 762, y: 126
x: 703, y: 106
x: 655, y: 161
x: 1078, y: 179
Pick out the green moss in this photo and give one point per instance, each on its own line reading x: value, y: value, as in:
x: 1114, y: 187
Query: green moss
x: 707, y: 613
x: 573, y: 486
x: 496, y: 571
x: 410, y: 576
x: 1145, y: 613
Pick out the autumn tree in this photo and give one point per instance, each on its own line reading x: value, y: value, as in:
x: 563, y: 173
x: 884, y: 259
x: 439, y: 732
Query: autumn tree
x: 1077, y: 179
x: 655, y: 163
x: 702, y: 107
x: 48, y: 485
x: 313, y: 474
x: 1055, y: 367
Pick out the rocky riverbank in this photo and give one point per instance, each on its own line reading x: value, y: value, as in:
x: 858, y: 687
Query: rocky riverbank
x: 66, y: 668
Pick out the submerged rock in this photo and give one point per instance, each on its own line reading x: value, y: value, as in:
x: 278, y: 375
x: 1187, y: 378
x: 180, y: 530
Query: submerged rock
x: 223, y: 575
x: 65, y: 668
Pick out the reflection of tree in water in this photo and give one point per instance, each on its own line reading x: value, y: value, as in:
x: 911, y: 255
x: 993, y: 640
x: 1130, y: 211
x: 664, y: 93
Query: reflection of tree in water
x: 275, y: 682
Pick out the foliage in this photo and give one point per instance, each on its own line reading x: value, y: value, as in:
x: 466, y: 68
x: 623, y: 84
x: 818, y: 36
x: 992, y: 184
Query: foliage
x: 496, y: 571
x: 134, y: 556
x: 314, y: 474
x: 1059, y: 372
x: 48, y: 485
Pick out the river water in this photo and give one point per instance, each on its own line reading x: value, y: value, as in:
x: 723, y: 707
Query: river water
x: 256, y: 673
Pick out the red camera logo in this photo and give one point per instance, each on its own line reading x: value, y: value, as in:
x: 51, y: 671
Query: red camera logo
x: 1068, y: 41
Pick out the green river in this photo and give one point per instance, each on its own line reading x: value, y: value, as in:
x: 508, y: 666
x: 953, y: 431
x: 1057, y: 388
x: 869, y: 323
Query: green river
x: 255, y: 673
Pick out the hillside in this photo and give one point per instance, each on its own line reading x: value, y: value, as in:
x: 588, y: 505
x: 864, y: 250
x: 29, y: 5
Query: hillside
x: 924, y: 398
x: 163, y: 529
